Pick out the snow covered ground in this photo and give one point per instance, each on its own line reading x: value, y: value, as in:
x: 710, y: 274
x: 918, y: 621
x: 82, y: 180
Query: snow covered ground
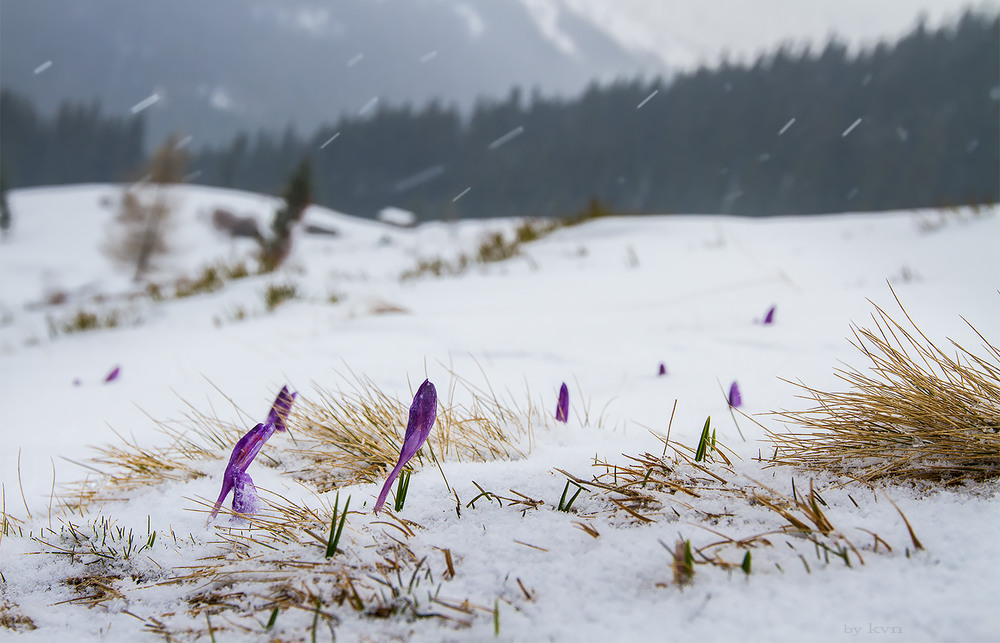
x: 598, y: 306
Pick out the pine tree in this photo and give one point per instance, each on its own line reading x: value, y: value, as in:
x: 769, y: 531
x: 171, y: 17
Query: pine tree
x: 297, y: 197
x: 5, y: 217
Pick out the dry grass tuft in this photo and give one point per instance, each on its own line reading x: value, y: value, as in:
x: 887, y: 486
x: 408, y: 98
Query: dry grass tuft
x: 354, y: 436
x: 917, y: 413
x: 127, y: 466
x: 11, y: 618
x: 339, y: 438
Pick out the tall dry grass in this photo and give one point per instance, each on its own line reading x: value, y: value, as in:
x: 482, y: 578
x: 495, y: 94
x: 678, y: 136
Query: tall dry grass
x: 918, y: 411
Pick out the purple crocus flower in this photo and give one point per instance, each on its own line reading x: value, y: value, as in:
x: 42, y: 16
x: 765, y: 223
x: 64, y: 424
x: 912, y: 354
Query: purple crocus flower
x: 279, y: 410
x: 769, y: 317
x: 423, y: 412
x: 562, y: 407
x: 735, y: 398
x: 113, y: 375
x: 663, y: 369
x: 236, y: 478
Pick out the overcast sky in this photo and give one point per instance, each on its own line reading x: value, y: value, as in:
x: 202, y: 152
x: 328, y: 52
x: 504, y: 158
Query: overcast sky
x: 687, y: 33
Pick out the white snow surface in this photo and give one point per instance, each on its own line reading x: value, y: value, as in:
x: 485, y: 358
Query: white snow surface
x: 597, y: 306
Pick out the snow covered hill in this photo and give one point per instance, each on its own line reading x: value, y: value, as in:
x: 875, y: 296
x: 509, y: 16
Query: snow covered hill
x: 599, y: 306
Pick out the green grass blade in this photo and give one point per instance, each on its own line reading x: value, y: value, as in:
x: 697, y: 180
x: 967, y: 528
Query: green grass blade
x: 703, y: 443
x: 274, y: 617
x: 401, y: 488
x: 335, y: 529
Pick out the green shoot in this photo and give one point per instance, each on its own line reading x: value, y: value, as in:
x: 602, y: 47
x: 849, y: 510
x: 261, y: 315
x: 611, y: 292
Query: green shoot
x: 335, y: 529
x: 705, y: 442
x: 683, y: 562
x: 315, y: 620
x: 211, y: 632
x: 563, y: 505
x: 745, y: 565
x: 401, y: 487
x: 274, y: 617
x: 496, y: 617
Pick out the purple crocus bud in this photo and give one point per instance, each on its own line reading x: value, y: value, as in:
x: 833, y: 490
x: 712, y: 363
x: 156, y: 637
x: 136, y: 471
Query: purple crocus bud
x: 423, y: 412
x: 113, y: 375
x: 663, y: 369
x: 562, y: 407
x: 279, y: 410
x: 235, y: 478
x: 735, y: 398
x: 769, y: 317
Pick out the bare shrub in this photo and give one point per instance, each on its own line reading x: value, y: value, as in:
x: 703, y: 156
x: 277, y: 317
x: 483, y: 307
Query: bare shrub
x: 142, y: 223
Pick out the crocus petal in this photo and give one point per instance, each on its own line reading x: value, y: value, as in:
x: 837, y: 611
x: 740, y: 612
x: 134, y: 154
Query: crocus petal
x: 735, y: 398
x: 279, y: 410
x: 423, y: 413
x: 245, y: 499
x: 562, y: 408
x: 227, y: 486
x: 663, y: 369
x: 248, y: 447
x: 113, y: 375
x: 769, y: 317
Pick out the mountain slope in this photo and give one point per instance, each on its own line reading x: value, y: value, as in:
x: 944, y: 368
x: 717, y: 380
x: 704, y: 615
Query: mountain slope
x: 216, y: 67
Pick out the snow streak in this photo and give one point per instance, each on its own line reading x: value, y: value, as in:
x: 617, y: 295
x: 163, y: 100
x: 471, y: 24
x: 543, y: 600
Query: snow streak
x: 647, y: 99
x: 517, y: 131
x: 143, y: 104
x: 851, y: 128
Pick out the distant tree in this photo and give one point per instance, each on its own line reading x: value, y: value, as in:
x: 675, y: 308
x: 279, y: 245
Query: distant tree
x: 297, y: 197
x: 144, y: 218
x: 5, y: 217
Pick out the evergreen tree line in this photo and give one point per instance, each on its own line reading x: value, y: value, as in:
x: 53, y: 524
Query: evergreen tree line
x: 910, y: 124
x: 79, y: 144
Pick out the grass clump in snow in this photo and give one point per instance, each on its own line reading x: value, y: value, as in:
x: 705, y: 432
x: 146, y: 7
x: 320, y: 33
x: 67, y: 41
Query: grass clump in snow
x: 703, y: 487
x: 594, y: 209
x: 354, y: 436
x: 277, y: 294
x: 208, y: 280
x: 11, y: 618
x: 496, y: 247
x: 493, y: 247
x: 84, y: 320
x: 919, y: 412
x: 340, y: 438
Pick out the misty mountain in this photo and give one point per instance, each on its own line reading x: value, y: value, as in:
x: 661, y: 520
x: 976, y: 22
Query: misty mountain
x: 211, y: 68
